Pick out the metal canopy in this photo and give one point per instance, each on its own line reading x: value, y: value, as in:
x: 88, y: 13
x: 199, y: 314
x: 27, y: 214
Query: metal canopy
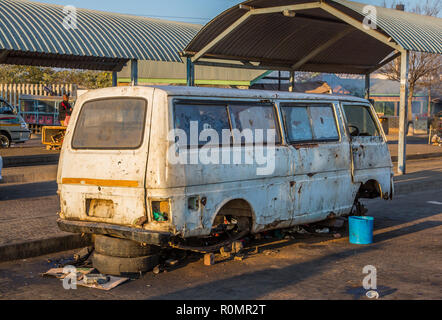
x: 319, y: 36
x: 32, y: 33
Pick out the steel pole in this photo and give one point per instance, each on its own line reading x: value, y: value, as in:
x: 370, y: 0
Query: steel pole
x: 292, y: 81
x: 403, y: 110
x: 367, y: 86
x: 134, y: 72
x: 114, y: 78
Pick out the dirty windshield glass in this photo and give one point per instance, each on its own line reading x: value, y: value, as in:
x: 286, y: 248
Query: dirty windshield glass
x: 254, y: 117
x: 360, y: 121
x: 203, y: 117
x: 305, y: 123
x: 110, y: 124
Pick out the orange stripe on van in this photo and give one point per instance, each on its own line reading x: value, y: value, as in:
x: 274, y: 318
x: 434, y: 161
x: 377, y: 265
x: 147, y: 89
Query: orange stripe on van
x: 101, y: 182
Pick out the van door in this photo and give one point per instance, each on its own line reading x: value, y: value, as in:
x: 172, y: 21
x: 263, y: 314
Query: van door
x: 322, y: 176
x: 104, y: 160
x: 368, y: 144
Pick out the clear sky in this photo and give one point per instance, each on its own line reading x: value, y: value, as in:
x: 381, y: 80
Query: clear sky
x: 194, y: 11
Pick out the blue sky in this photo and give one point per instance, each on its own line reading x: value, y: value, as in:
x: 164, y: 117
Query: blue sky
x: 194, y: 11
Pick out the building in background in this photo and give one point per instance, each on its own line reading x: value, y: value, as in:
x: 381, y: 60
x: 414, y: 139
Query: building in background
x: 174, y: 73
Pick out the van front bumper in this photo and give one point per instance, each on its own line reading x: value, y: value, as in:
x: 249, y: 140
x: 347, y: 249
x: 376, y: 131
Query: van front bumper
x: 139, y: 235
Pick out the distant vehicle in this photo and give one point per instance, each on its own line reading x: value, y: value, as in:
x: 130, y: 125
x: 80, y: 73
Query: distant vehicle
x: 125, y: 172
x: 13, y: 127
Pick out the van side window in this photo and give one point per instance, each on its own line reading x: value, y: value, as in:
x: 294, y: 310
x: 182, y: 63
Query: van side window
x: 242, y: 117
x: 203, y: 116
x: 360, y: 121
x: 252, y: 118
x: 309, y: 123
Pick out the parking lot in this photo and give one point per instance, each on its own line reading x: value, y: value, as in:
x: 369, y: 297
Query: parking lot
x: 406, y: 253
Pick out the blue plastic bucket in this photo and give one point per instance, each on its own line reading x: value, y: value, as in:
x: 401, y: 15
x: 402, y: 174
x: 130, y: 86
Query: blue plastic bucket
x: 361, y: 229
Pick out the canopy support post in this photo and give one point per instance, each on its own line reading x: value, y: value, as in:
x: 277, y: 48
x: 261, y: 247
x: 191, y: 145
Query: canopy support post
x: 190, y: 72
x: 292, y: 81
x: 367, y: 86
x: 114, y: 78
x: 403, y: 110
x: 134, y: 72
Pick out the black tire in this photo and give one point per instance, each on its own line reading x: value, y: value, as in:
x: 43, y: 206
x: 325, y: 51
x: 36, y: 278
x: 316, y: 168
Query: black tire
x: 5, y: 141
x: 119, y: 266
x: 122, y: 248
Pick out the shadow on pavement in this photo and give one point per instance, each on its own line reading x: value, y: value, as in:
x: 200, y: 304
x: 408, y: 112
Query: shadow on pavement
x: 28, y: 190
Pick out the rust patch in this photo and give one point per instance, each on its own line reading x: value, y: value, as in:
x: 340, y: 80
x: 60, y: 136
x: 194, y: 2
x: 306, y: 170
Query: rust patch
x: 331, y: 215
x: 305, y: 146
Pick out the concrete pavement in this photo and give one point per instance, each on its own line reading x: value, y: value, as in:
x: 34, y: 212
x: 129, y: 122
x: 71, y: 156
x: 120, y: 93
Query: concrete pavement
x: 28, y: 228
x: 406, y: 254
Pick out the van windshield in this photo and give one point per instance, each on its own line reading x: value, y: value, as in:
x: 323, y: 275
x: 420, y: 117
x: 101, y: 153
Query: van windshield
x: 110, y: 124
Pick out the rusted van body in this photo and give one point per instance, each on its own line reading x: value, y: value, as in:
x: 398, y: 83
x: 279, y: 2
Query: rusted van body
x: 116, y: 174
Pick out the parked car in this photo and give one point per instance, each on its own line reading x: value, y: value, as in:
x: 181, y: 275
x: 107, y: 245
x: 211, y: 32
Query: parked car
x: 12, y: 126
x: 129, y: 170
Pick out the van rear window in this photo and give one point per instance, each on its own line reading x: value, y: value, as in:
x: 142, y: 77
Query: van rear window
x: 110, y: 124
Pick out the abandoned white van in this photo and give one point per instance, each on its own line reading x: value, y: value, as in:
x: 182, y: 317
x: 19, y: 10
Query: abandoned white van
x: 170, y: 166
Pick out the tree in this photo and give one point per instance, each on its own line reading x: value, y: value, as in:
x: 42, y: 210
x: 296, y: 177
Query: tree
x: 39, y: 75
x: 423, y: 66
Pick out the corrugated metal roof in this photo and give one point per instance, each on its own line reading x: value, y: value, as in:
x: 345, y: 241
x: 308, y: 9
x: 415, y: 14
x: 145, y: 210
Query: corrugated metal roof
x: 280, y: 42
x: 413, y: 32
x: 31, y: 27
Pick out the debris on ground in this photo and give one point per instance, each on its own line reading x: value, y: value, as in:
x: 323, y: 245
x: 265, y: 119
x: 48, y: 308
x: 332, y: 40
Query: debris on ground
x: 337, y: 223
x: 61, y: 273
x: 226, y: 251
x: 337, y: 235
x: 240, y: 257
x: 171, y: 262
x: 83, y: 254
x: 209, y: 259
x: 237, y: 246
x: 323, y: 230
x: 299, y: 229
x: 95, y: 278
x: 270, y: 252
x: 156, y: 270
x: 102, y: 282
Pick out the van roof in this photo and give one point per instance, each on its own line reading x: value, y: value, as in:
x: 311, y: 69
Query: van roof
x: 261, y: 94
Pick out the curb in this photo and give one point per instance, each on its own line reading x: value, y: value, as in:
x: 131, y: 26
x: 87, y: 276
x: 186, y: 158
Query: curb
x: 419, y: 156
x: 41, y: 247
x: 21, y: 161
x: 414, y: 186
x: 47, y: 173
